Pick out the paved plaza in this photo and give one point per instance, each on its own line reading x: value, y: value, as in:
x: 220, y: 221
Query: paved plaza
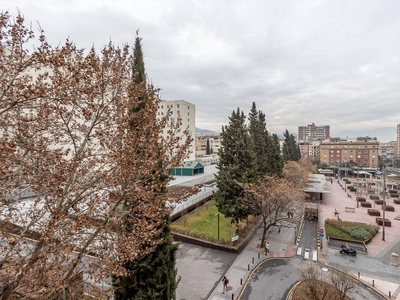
x: 202, y: 269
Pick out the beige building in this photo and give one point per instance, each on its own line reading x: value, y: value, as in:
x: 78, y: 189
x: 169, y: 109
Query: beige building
x: 387, y: 152
x: 184, y: 110
x: 362, y: 151
x: 201, y: 144
x: 313, y: 132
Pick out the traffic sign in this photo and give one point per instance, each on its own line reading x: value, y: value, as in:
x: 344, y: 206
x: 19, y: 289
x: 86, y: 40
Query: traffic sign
x: 321, y: 235
x: 321, y: 230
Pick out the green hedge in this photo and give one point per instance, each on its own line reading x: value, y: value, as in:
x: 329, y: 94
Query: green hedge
x: 350, y: 230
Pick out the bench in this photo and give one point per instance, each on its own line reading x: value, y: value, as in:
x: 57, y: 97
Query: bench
x: 350, y: 209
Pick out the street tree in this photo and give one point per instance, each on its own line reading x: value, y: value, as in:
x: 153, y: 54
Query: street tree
x: 278, y: 201
x: 66, y: 133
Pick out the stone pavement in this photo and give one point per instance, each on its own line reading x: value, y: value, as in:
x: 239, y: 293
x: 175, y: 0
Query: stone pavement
x: 373, y: 269
x: 281, y: 245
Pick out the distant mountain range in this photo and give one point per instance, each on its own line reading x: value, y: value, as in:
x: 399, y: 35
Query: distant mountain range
x: 383, y: 135
x: 200, y: 132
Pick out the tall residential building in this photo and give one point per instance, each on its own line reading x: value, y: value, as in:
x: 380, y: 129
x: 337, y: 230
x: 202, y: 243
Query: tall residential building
x: 387, y: 152
x: 313, y: 132
x: 398, y: 141
x: 187, y: 112
x: 362, y: 151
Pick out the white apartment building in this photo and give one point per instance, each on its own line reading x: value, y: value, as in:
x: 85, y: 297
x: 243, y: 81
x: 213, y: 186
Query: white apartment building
x: 398, y: 141
x: 184, y: 110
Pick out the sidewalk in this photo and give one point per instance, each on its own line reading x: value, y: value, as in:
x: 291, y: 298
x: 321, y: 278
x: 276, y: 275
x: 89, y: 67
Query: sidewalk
x: 281, y: 245
x: 386, y: 278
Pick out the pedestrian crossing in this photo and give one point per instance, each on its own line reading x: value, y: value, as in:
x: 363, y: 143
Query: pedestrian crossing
x: 307, y: 253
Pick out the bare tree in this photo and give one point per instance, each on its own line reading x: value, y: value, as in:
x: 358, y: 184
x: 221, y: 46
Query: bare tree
x: 65, y: 130
x: 315, y: 281
x: 343, y: 283
x: 278, y: 201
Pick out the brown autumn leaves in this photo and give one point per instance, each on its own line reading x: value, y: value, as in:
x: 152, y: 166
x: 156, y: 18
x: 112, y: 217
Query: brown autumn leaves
x: 279, y: 200
x: 70, y: 130
x: 66, y: 132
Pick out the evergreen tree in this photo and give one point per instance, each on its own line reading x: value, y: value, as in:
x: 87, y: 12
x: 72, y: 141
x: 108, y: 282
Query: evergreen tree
x: 259, y: 138
x: 236, y: 165
x: 290, y: 149
x: 153, y: 275
x: 265, y: 146
x: 275, y: 158
x: 208, y: 149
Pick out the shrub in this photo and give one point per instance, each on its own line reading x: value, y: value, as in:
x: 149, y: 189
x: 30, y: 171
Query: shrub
x: 350, y: 230
x: 361, y: 233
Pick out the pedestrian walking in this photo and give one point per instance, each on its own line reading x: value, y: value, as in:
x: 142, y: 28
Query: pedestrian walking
x: 225, y: 282
x: 267, y: 248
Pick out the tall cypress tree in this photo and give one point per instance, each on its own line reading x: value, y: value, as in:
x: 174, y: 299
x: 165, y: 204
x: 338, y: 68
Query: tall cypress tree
x: 236, y: 164
x: 151, y: 276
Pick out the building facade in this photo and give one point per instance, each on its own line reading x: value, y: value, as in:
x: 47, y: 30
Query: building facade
x: 186, y: 112
x: 313, y: 132
x: 387, y: 152
x: 361, y: 151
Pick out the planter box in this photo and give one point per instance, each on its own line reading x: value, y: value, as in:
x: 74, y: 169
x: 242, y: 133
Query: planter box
x: 360, y: 199
x: 389, y: 208
x: 352, y: 190
x: 397, y: 201
x: 394, y: 195
x: 365, y: 204
x: 393, y: 191
x: 371, y: 192
x: 374, y: 197
x: 379, y: 202
x: 379, y: 221
x: 374, y: 212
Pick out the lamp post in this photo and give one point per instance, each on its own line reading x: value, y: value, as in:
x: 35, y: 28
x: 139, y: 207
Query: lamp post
x: 384, y: 204
x: 217, y: 215
x: 345, y: 174
x: 358, y: 180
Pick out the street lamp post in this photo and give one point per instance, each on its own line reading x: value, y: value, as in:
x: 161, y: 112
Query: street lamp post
x: 358, y: 180
x: 217, y: 215
x: 345, y: 175
x: 384, y: 204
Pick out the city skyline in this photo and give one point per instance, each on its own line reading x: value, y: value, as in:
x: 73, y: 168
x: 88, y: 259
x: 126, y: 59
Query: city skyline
x: 328, y: 63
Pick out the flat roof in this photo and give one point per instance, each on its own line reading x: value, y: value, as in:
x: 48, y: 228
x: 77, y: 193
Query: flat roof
x: 317, y: 184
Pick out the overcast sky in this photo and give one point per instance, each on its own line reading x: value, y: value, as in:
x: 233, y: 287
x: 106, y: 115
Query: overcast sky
x: 331, y: 63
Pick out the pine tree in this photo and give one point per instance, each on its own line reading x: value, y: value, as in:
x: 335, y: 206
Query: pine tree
x: 290, y: 150
x: 151, y: 276
x: 275, y: 158
x: 260, y: 138
x: 236, y: 165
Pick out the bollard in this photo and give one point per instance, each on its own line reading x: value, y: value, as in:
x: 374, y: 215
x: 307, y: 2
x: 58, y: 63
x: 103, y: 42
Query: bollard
x: 390, y: 294
x: 233, y: 296
x: 258, y: 255
x: 252, y: 260
x: 373, y: 282
x: 241, y: 281
x: 358, y: 274
x: 248, y: 267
